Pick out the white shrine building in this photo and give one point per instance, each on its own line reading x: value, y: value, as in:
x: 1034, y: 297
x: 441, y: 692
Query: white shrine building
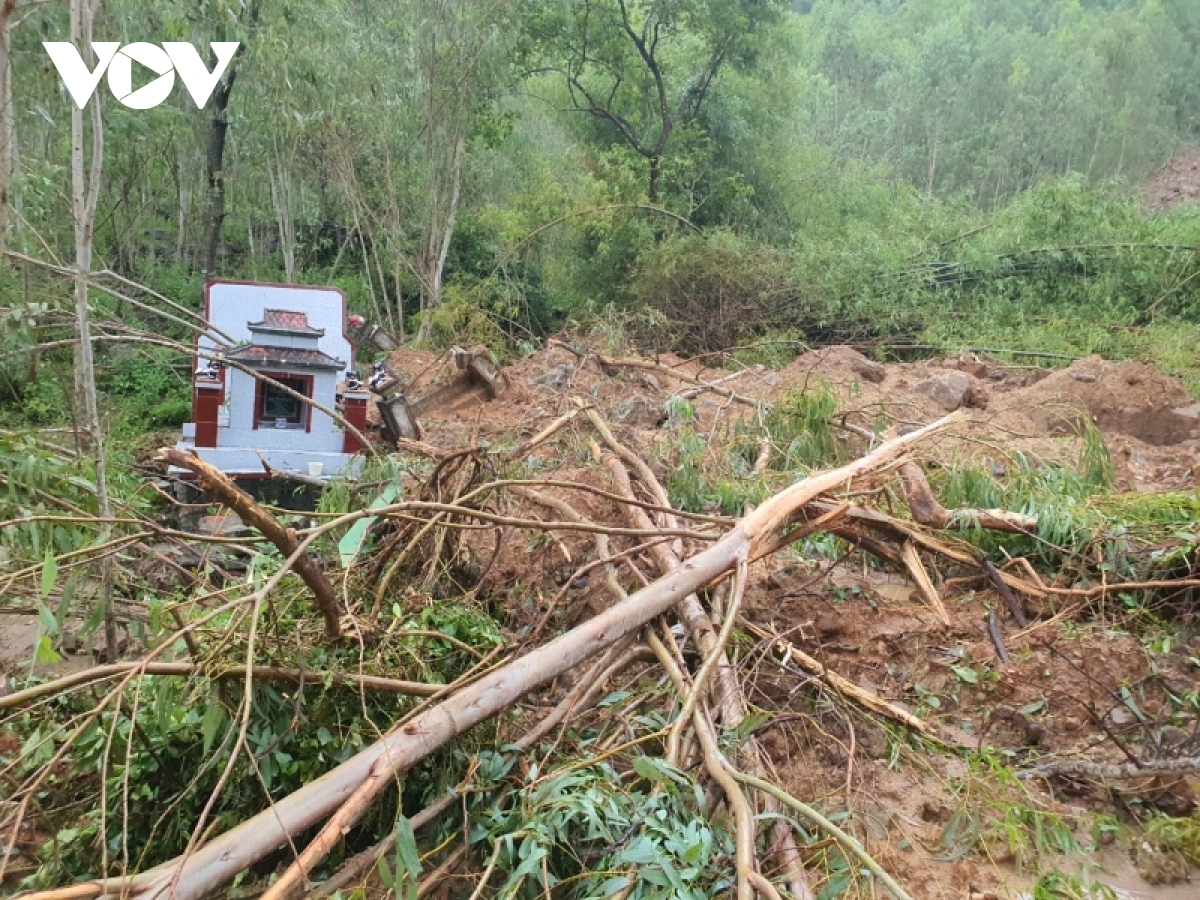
x: 293, y: 335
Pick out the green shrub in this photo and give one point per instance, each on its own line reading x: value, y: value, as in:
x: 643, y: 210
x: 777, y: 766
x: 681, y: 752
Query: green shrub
x: 717, y: 290
x: 801, y: 426
x: 169, y: 414
x: 459, y: 321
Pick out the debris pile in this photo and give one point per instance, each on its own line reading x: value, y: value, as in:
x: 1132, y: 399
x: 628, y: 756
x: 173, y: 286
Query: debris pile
x: 706, y: 575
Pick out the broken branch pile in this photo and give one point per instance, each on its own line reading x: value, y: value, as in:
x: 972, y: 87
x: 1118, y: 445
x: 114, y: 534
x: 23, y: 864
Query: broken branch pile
x: 667, y: 591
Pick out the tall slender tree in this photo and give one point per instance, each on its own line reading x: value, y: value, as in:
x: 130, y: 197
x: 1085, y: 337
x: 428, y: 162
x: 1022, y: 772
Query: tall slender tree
x: 449, y: 54
x: 85, y: 191
x: 218, y: 129
x: 8, y: 129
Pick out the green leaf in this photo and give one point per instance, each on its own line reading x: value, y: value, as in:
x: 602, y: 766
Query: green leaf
x: 64, y: 604
x: 614, y: 886
x: 46, y: 617
x: 95, y: 617
x: 209, y: 725
x: 406, y: 848
x: 386, y: 878
x: 969, y: 675
x: 641, y: 851
x: 657, y: 770
x: 351, y: 543
x: 531, y: 866
x: 44, y: 653
x: 49, y: 574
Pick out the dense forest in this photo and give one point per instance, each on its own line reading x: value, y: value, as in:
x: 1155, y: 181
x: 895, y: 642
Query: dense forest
x: 863, y: 325
x: 500, y: 157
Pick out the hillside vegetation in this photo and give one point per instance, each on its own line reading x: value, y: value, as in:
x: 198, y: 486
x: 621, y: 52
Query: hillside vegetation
x: 830, y: 530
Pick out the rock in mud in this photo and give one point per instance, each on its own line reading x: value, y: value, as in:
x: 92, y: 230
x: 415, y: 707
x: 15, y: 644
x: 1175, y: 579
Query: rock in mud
x: 837, y: 359
x: 637, y: 412
x: 1161, y: 866
x: 948, y: 389
x: 869, y: 369
x: 558, y: 378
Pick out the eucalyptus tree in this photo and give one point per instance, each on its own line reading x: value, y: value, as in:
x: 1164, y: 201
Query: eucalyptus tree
x: 990, y: 98
x: 642, y: 69
x: 414, y: 87
x: 8, y: 9
x: 232, y: 22
x: 86, y: 167
x: 12, y: 14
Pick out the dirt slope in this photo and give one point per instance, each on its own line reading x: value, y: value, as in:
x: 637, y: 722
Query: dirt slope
x: 1176, y: 182
x: 1150, y: 423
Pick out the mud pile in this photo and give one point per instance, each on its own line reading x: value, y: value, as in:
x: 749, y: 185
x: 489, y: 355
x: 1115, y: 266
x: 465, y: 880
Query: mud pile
x: 1176, y: 182
x: 1149, y: 422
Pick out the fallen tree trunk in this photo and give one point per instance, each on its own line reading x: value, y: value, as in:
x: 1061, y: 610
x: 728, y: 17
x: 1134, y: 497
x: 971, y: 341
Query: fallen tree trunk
x: 343, y: 794
x: 221, y: 487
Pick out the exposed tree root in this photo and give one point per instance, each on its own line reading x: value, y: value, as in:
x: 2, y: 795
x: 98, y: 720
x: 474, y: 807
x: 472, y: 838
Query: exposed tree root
x: 927, y: 510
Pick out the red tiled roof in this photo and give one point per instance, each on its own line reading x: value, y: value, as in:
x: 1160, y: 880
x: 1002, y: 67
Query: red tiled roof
x: 285, y: 320
x: 255, y: 354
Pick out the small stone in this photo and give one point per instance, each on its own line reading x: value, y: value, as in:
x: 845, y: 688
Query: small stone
x: 1120, y: 715
x: 1161, y: 866
x: 972, y: 366
x: 1085, y: 377
x: 978, y: 397
x: 650, y: 381
x: 868, y: 369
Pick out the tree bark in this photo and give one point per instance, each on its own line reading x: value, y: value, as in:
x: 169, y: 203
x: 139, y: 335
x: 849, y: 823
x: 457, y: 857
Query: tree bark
x: 280, y: 178
x: 188, y: 670
x: 445, y: 125
x: 85, y: 191
x: 215, y: 170
x: 214, y: 219
x: 8, y: 130
x: 926, y: 509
